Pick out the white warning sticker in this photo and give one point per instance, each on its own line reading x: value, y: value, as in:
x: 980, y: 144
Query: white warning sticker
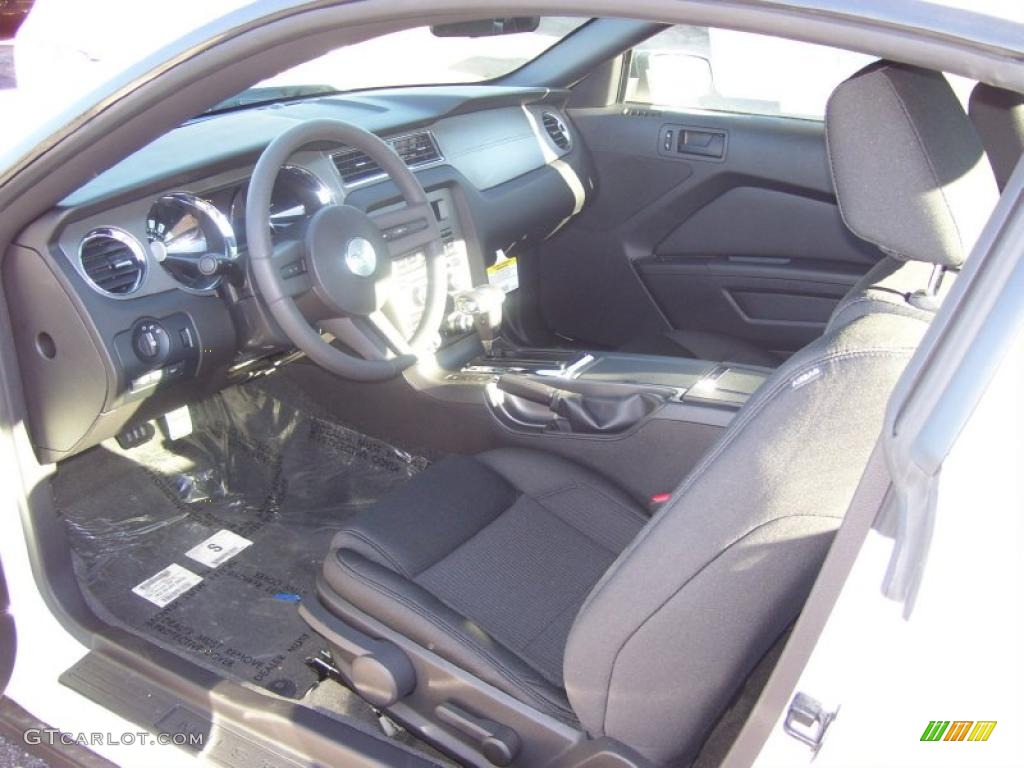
x: 217, y: 549
x: 172, y: 582
x: 504, y: 273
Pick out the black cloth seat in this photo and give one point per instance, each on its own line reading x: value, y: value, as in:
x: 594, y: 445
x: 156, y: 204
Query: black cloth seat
x: 491, y: 556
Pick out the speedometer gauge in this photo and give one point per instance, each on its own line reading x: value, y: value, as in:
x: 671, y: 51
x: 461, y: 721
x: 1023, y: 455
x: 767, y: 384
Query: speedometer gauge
x: 297, y: 195
x: 191, y: 239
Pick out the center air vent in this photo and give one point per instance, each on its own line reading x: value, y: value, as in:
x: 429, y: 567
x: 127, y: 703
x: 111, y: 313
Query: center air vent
x: 557, y: 130
x: 113, y: 260
x: 417, y: 149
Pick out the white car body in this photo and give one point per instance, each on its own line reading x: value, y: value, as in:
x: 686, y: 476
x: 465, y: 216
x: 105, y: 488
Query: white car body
x: 956, y: 656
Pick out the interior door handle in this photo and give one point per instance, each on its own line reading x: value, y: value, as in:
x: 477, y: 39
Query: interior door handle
x: 703, y: 143
x: 690, y: 141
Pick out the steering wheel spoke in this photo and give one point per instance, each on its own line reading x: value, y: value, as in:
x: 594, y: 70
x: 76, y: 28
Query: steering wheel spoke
x: 410, y: 228
x: 289, y: 261
x: 382, y: 324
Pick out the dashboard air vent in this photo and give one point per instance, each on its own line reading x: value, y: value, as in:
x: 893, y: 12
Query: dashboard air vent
x: 557, y: 130
x: 417, y: 149
x: 113, y: 260
x: 355, y: 166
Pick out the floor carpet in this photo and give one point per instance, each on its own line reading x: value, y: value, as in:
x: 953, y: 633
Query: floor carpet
x: 207, y: 544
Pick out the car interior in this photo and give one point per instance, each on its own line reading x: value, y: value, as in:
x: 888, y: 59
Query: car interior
x: 510, y: 421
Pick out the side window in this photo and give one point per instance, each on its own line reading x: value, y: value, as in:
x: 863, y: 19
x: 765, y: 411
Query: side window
x: 724, y: 70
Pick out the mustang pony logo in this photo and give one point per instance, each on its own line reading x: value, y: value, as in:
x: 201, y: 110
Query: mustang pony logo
x: 958, y: 730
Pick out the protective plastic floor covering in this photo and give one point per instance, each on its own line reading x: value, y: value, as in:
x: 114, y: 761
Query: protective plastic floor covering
x: 263, y: 465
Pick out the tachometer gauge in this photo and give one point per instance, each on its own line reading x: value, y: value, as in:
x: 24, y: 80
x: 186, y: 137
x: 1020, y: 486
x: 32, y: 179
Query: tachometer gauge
x: 191, y: 239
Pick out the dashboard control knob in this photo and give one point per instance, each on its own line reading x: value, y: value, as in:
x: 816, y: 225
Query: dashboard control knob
x: 150, y: 341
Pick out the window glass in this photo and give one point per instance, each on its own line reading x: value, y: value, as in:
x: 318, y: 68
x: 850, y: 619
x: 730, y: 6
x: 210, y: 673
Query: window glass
x: 418, y: 57
x: 720, y: 69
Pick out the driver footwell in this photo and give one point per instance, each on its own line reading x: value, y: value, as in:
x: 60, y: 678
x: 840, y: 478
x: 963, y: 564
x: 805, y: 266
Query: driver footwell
x: 207, y: 544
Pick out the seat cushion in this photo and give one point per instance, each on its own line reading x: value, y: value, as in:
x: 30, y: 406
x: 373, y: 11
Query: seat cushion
x: 701, y: 345
x: 486, y: 560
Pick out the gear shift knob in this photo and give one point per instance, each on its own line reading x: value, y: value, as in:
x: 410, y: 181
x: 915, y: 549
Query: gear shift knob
x: 483, y: 305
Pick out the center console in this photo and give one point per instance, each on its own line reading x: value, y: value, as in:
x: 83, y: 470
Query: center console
x: 612, y: 384
x: 643, y: 421
x: 720, y: 385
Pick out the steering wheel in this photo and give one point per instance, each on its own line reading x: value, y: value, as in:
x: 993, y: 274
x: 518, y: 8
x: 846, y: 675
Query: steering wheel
x: 336, y: 274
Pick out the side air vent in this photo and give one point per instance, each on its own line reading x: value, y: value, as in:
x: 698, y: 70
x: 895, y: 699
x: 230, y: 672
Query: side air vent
x: 417, y: 149
x: 557, y: 130
x: 113, y: 260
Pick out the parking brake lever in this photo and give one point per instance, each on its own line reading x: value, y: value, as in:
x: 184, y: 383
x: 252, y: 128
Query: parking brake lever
x: 530, y: 389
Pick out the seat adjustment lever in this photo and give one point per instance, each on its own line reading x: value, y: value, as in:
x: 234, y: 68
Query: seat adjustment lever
x: 497, y: 742
x: 377, y: 670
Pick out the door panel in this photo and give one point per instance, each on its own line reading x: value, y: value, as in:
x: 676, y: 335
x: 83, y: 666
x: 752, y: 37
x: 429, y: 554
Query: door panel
x: 750, y: 243
x: 758, y: 221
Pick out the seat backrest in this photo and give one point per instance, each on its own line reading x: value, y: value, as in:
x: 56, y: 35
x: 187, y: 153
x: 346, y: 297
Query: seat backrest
x: 678, y: 621
x: 998, y: 116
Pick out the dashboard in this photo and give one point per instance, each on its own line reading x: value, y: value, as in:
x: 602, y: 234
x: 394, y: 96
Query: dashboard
x: 135, y: 296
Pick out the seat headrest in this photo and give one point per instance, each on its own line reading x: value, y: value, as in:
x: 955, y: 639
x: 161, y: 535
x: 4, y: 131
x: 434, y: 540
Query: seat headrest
x: 998, y: 116
x: 909, y: 170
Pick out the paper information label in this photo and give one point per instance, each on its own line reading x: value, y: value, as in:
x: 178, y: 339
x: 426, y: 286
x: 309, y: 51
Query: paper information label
x: 504, y: 274
x: 217, y: 549
x: 172, y: 582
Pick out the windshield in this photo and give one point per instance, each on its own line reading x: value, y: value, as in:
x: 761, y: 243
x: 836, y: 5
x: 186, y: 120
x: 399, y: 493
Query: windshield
x: 411, y: 57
